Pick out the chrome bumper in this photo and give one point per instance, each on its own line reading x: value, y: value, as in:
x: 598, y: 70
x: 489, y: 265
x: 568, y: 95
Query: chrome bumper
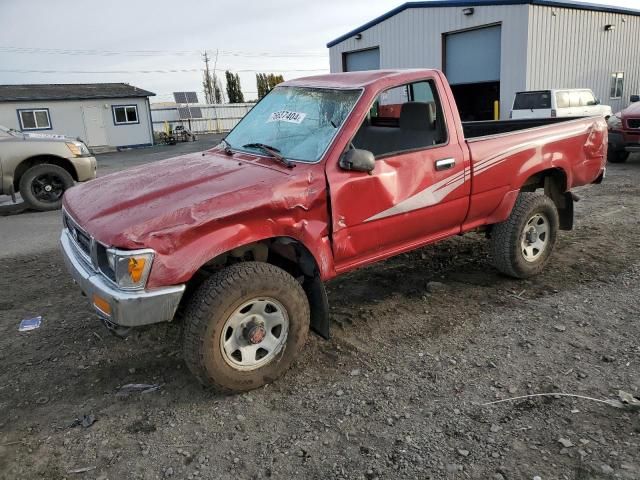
x: 128, y: 308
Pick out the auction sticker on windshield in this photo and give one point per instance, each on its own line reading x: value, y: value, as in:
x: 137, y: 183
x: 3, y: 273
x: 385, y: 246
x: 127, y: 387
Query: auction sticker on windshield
x: 287, y: 116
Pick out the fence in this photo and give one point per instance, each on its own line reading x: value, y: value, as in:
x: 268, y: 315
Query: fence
x: 215, y: 118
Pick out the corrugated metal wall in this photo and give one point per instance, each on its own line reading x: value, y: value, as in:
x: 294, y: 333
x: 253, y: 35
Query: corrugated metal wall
x: 570, y: 48
x: 413, y: 38
x: 216, y: 118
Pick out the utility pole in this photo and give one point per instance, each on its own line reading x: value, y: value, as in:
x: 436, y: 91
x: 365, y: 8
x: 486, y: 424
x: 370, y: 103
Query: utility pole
x: 209, y: 92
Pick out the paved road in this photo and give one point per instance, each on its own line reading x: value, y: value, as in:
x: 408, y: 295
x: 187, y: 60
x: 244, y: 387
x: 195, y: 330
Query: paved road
x: 30, y: 232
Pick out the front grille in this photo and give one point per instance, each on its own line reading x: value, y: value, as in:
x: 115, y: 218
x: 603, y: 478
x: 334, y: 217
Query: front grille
x: 82, y: 240
x: 633, y: 122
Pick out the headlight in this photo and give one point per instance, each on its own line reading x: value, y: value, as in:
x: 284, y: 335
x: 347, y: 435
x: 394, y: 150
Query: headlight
x: 614, y: 121
x: 129, y: 269
x: 77, y: 149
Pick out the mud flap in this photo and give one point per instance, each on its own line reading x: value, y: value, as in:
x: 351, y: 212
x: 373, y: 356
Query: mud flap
x: 566, y: 212
x: 319, y: 304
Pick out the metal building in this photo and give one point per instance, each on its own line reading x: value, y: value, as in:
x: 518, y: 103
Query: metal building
x: 103, y: 115
x: 491, y: 49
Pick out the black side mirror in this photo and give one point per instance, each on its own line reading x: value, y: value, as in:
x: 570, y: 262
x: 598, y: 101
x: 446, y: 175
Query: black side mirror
x: 634, y: 98
x: 358, y: 160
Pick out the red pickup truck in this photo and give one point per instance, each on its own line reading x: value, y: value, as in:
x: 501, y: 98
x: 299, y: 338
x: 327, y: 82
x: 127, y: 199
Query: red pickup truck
x: 624, y: 132
x: 324, y: 175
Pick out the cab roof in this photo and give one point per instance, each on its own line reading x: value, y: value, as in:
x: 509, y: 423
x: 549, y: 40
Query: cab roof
x: 360, y: 79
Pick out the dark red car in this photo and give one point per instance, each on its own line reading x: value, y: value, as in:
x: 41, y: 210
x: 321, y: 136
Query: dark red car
x: 624, y: 132
x: 324, y: 175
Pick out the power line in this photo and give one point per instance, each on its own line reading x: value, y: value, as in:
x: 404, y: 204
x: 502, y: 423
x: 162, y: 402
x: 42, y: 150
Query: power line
x: 176, y: 70
x: 153, y: 53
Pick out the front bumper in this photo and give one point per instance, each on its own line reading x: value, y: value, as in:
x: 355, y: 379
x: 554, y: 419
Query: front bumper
x: 128, y: 308
x: 86, y: 167
x: 623, y: 140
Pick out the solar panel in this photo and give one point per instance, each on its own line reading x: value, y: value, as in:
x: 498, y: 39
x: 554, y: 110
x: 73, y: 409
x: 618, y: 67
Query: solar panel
x: 186, y: 113
x: 185, y: 97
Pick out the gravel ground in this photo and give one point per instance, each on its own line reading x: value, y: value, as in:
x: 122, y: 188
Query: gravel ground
x: 419, y: 343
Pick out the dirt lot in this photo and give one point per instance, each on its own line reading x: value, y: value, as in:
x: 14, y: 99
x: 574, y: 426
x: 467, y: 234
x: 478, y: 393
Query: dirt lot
x: 397, y: 392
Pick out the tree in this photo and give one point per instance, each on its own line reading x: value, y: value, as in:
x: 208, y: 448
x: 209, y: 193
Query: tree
x: 266, y: 82
x: 234, y: 90
x: 210, y: 83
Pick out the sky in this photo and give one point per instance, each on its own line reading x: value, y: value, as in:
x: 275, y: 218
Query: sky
x: 44, y: 41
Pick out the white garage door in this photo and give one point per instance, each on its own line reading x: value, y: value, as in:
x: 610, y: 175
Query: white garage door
x: 362, y: 60
x: 473, y: 56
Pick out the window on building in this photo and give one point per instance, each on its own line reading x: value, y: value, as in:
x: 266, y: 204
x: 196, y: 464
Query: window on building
x: 36, y: 119
x: 401, y: 119
x: 124, y: 114
x: 617, y: 84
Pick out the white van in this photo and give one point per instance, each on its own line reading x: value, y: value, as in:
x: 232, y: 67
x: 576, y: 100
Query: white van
x: 576, y: 102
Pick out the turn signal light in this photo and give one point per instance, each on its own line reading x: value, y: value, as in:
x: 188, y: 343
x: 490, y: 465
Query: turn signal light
x: 101, y: 304
x: 136, y: 268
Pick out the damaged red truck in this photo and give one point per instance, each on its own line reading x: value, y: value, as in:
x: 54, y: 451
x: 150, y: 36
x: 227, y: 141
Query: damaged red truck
x: 324, y: 175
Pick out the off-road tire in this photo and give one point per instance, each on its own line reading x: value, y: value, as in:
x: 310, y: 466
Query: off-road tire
x: 27, y: 185
x: 506, y: 237
x: 212, y: 304
x: 617, y: 156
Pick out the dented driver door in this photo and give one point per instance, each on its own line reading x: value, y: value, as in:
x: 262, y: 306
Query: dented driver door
x: 411, y: 198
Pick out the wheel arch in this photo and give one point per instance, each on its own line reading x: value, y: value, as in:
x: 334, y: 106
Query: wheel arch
x: 285, y: 252
x: 27, y: 163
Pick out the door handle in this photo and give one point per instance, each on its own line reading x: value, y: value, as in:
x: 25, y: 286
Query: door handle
x: 445, y: 163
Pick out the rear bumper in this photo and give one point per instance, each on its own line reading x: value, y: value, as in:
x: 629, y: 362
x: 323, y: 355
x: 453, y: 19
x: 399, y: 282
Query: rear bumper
x: 128, y: 308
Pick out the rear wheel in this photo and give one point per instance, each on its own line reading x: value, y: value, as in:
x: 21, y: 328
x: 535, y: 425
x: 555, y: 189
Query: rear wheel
x: 244, y: 326
x: 617, y: 156
x: 42, y: 186
x: 522, y: 245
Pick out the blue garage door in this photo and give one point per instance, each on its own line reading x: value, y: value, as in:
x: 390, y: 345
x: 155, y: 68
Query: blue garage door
x: 362, y: 60
x: 473, y: 56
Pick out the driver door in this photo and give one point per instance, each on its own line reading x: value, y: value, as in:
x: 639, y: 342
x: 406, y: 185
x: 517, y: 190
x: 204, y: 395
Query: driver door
x: 419, y: 189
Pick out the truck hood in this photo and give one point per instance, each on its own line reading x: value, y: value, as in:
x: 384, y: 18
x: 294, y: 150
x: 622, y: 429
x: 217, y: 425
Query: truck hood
x: 153, y: 205
x: 632, y: 110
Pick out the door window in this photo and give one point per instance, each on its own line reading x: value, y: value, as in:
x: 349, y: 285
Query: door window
x: 403, y: 118
x: 562, y: 99
x: 574, y: 99
x: 587, y: 99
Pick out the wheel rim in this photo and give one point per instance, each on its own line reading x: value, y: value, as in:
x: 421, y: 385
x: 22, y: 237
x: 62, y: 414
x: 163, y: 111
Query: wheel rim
x: 47, y: 187
x: 535, y: 237
x: 254, y: 333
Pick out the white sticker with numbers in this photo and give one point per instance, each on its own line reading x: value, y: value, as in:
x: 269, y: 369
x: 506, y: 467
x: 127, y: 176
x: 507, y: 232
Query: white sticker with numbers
x: 287, y: 116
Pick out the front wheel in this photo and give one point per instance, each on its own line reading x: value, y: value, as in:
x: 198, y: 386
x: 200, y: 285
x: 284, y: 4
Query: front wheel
x: 522, y: 245
x: 617, y: 156
x: 244, y: 326
x: 42, y: 186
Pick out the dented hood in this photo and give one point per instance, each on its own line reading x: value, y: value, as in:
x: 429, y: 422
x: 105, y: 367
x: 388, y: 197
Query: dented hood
x: 152, y: 204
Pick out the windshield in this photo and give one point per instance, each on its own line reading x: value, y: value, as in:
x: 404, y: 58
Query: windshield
x: 299, y: 122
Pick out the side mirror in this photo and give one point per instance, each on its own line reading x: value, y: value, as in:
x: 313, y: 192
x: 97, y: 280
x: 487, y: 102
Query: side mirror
x: 358, y: 160
x: 634, y: 98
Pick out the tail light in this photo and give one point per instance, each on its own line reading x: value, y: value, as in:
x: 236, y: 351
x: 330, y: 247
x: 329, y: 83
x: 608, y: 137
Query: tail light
x: 553, y: 113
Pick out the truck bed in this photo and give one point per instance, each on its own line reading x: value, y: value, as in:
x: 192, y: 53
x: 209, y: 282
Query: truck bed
x: 496, y: 127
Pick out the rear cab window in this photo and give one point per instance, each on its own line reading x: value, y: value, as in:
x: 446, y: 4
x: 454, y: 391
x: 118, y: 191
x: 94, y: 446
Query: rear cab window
x: 532, y: 100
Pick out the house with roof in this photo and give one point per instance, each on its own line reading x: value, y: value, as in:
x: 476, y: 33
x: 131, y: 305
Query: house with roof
x: 491, y: 49
x: 103, y: 115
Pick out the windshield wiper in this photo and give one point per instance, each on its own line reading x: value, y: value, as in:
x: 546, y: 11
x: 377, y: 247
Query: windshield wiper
x: 227, y: 147
x: 272, y: 151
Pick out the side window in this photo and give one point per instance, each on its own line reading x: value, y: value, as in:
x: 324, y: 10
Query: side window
x: 562, y: 99
x: 403, y: 118
x: 587, y: 99
x: 617, y: 84
x: 37, y: 119
x: 574, y: 99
